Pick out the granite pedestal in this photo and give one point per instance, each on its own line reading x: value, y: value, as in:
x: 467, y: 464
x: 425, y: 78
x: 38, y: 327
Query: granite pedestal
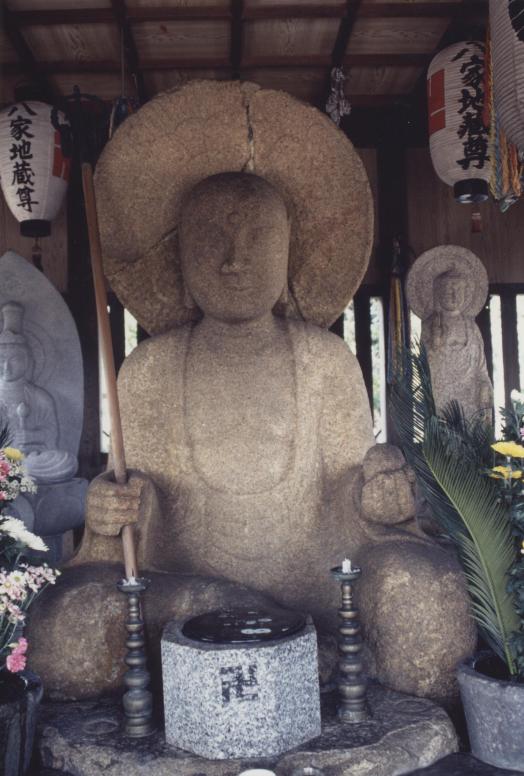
x: 243, y: 700
x: 402, y: 735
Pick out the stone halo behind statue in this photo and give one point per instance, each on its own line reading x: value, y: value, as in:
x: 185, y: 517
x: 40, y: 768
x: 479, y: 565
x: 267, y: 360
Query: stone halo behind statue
x: 438, y: 261
x: 232, y: 127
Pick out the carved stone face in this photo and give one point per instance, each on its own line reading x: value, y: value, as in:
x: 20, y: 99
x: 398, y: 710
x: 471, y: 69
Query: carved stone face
x: 234, y: 241
x: 14, y: 363
x: 450, y: 293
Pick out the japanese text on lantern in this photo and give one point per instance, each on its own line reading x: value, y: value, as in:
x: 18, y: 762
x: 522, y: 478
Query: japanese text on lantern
x: 471, y: 101
x: 21, y: 155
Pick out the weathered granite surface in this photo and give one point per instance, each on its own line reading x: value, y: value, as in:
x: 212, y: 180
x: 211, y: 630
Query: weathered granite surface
x: 463, y: 765
x: 447, y: 287
x: 452, y: 765
x: 404, y: 734
x: 247, y: 435
x: 210, y: 127
x: 494, y: 711
x: 91, y: 613
x: 240, y: 700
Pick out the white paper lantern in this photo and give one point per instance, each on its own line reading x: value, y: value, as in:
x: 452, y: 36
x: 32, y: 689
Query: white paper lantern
x: 33, y: 170
x: 507, y: 51
x: 458, y: 139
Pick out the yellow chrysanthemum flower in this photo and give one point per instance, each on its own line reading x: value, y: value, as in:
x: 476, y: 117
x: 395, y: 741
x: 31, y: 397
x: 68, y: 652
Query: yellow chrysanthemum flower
x: 13, y: 454
x: 505, y: 472
x: 511, y: 449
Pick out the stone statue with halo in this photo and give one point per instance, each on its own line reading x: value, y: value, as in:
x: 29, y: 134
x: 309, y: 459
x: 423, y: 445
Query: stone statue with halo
x: 447, y: 287
x: 41, y: 398
x: 236, y: 225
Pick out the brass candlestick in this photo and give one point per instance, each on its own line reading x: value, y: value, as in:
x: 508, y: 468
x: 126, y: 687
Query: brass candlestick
x: 351, y: 681
x: 137, y: 700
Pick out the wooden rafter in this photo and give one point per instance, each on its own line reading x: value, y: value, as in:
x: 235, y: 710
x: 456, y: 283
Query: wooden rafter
x: 465, y: 10
x: 237, y: 7
x: 120, y: 12
x: 224, y: 63
x: 27, y: 62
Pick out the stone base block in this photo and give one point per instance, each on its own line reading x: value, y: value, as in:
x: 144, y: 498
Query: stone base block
x: 240, y: 701
x: 402, y: 735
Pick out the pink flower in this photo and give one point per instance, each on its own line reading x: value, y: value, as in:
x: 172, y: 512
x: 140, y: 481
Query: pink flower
x: 17, y: 659
x: 15, y: 662
x: 22, y: 645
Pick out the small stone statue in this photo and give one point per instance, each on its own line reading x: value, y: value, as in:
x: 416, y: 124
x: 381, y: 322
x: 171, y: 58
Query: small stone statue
x: 247, y: 427
x: 447, y: 287
x: 28, y: 410
x: 41, y: 398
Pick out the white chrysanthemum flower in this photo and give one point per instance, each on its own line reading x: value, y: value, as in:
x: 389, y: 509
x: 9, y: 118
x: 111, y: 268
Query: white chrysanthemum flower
x: 17, y: 530
x: 517, y: 396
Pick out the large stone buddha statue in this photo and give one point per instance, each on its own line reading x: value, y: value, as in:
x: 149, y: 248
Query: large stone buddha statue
x: 248, y: 432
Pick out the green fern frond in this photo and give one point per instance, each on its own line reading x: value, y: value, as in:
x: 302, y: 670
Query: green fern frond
x: 486, y: 547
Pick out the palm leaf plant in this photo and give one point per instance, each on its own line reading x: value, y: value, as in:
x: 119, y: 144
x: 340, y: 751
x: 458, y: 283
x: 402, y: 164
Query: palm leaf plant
x: 450, y: 455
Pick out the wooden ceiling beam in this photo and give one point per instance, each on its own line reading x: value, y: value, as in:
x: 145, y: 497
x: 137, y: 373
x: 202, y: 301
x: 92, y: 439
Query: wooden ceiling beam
x: 235, y: 52
x: 120, y: 12
x: 224, y: 63
x: 372, y: 10
x: 345, y: 29
x: 463, y: 10
x: 27, y: 62
x: 416, y: 9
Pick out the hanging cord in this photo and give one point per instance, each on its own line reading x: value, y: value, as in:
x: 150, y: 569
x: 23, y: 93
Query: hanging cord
x: 123, y: 106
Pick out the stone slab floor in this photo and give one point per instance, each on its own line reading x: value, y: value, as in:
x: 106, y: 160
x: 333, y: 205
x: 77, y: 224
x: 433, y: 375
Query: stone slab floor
x: 453, y: 765
x: 66, y: 728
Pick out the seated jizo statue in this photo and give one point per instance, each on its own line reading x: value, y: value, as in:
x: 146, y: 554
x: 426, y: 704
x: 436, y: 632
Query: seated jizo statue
x: 41, y: 400
x: 27, y: 409
x: 248, y: 431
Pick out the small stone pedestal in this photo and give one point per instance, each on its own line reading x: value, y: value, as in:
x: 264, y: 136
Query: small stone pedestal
x: 241, y: 700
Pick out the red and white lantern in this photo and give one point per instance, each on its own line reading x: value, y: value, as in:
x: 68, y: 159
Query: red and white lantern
x: 507, y: 51
x: 33, y: 169
x: 458, y: 138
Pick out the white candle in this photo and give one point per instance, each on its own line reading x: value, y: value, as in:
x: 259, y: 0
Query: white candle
x: 346, y: 566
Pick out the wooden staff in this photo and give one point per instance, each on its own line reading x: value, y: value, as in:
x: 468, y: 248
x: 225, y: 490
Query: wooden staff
x: 108, y: 360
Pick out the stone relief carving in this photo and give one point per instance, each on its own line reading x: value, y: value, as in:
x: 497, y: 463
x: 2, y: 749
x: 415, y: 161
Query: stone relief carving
x: 41, y: 396
x: 28, y: 410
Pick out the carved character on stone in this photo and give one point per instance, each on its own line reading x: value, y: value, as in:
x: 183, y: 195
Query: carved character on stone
x: 447, y: 287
